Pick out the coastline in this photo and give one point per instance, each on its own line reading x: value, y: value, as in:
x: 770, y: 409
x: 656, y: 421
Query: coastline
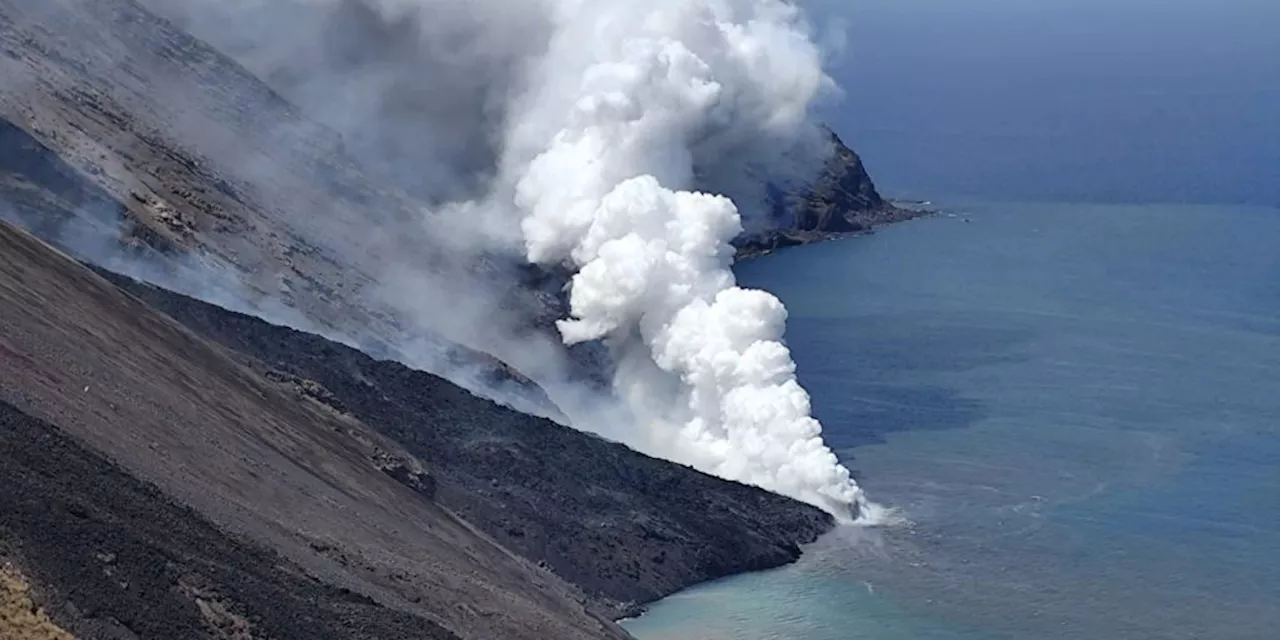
x: 977, y: 523
x: 893, y: 211
x: 863, y: 223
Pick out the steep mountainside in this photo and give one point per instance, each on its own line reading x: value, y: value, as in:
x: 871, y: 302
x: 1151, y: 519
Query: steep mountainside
x: 351, y: 468
x: 626, y: 528
x: 208, y: 166
x: 335, y: 498
x: 113, y: 557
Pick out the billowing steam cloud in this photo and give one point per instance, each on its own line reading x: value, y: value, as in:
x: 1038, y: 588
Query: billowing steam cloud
x: 602, y: 136
x: 627, y: 90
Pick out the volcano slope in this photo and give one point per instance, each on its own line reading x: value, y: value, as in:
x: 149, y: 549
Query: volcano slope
x: 115, y: 558
x: 332, y: 498
x: 626, y: 528
x: 381, y: 497
x: 203, y: 167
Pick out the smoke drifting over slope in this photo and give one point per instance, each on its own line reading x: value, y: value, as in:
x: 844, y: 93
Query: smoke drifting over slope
x: 624, y: 140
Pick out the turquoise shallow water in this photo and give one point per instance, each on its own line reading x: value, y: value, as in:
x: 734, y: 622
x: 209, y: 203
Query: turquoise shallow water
x: 1076, y: 406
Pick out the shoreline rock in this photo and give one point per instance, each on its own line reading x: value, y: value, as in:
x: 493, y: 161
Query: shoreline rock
x: 760, y: 246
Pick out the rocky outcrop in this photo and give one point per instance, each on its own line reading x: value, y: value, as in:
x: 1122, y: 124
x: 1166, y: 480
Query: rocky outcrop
x: 842, y: 200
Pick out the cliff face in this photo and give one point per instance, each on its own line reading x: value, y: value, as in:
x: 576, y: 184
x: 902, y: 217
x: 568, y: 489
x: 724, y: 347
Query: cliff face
x: 842, y: 199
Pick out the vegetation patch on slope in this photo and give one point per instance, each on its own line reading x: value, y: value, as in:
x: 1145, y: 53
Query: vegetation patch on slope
x: 20, y: 617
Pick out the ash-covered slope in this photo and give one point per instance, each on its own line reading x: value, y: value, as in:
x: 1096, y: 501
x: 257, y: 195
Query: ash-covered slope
x: 136, y: 146
x: 625, y: 527
x: 337, y: 500
x: 113, y: 557
x: 167, y: 146
x: 352, y: 469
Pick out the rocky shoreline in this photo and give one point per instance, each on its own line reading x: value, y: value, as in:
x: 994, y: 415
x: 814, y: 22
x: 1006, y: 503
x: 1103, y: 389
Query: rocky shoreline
x: 892, y: 212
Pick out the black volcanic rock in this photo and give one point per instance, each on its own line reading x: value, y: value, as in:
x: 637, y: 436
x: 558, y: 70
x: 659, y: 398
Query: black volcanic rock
x: 841, y: 200
x: 626, y: 528
x: 115, y: 558
x: 270, y: 461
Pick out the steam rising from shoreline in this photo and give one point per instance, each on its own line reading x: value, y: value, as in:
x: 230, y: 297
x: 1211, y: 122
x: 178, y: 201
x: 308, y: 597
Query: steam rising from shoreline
x: 631, y: 89
x: 621, y: 140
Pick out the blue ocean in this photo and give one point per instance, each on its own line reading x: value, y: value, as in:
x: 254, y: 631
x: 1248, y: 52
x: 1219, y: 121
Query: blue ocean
x: 1067, y: 382
x: 1076, y: 407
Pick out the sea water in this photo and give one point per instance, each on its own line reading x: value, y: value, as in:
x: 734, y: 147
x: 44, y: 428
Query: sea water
x: 1077, y: 408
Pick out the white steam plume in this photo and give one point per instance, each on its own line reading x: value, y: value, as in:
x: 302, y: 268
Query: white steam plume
x: 624, y: 95
x: 575, y: 133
